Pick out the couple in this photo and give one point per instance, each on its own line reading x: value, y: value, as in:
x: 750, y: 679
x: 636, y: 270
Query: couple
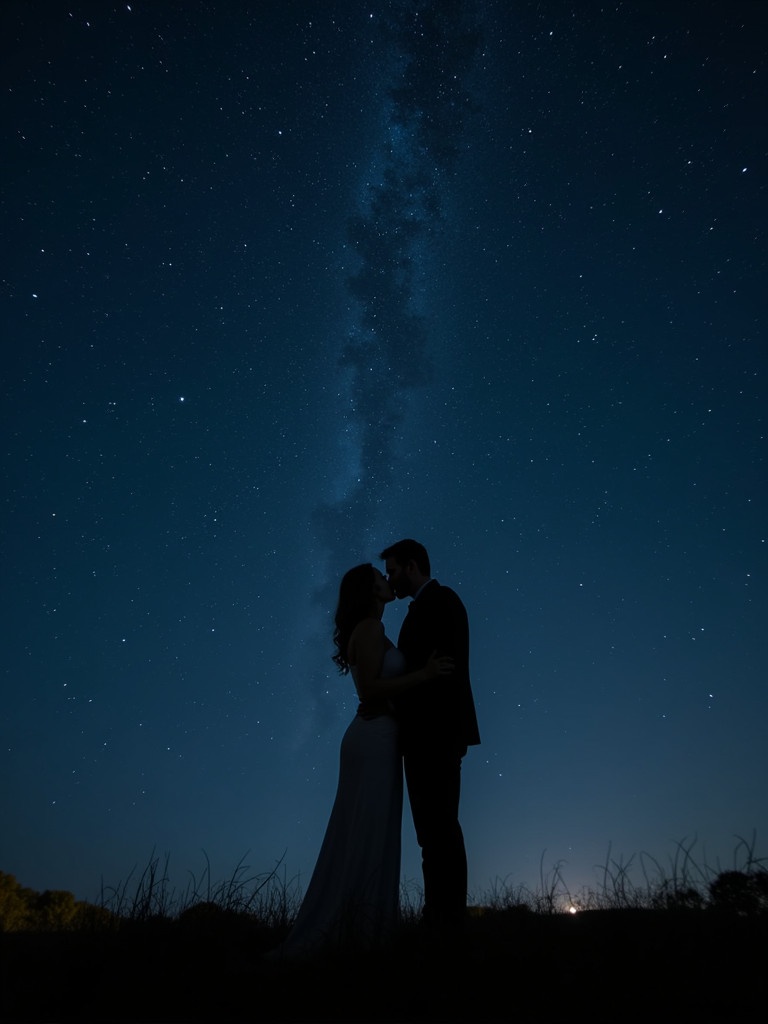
x: 416, y: 710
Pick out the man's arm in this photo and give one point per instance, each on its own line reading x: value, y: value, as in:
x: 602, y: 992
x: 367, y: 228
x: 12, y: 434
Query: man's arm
x: 437, y: 622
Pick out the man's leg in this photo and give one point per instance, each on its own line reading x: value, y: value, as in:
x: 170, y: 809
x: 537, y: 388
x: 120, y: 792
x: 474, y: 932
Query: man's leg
x: 434, y: 783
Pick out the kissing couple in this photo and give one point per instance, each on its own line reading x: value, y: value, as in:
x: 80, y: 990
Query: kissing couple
x: 416, y: 713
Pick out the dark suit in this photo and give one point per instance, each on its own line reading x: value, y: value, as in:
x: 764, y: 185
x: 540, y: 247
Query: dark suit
x: 437, y: 723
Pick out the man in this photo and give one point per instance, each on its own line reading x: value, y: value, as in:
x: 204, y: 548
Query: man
x: 437, y: 723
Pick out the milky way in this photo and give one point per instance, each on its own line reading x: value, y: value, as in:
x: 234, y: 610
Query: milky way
x: 424, y: 106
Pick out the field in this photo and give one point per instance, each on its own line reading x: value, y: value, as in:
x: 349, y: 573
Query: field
x: 668, y: 951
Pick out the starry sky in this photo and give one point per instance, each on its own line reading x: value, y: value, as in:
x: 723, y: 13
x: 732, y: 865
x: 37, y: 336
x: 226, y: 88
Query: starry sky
x: 283, y: 282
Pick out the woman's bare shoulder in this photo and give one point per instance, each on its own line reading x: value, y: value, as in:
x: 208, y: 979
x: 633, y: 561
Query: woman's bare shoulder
x: 370, y: 628
x: 366, y: 633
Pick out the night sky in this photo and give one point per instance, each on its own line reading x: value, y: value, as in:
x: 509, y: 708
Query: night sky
x: 286, y: 281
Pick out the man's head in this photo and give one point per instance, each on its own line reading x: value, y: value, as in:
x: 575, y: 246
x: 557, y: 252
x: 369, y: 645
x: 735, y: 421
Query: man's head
x: 407, y: 565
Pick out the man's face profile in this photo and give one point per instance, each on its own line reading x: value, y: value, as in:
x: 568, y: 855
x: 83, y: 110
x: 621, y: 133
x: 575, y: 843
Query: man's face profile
x: 397, y: 577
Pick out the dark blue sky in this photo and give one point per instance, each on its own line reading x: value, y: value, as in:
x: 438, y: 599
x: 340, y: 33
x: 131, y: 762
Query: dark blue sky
x: 284, y: 282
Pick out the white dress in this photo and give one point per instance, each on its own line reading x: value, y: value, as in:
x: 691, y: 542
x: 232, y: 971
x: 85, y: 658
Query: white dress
x: 353, y: 895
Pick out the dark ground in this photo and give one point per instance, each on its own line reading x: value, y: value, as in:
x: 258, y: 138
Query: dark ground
x: 606, y: 965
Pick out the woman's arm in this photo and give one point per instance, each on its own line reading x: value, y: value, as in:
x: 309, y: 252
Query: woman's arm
x: 367, y: 648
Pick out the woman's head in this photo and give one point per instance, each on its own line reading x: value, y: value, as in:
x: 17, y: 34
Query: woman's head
x: 363, y: 591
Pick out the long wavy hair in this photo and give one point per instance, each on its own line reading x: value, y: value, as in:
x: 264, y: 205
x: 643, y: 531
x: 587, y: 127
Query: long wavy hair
x: 355, y: 604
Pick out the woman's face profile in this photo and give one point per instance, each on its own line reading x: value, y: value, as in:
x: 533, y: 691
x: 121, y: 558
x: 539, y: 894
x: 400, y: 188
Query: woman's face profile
x: 381, y: 588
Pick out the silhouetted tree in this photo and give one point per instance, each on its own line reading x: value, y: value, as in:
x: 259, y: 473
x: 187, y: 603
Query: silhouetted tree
x: 15, y: 904
x: 24, y: 909
x: 53, y: 910
x: 740, y: 891
x: 686, y: 898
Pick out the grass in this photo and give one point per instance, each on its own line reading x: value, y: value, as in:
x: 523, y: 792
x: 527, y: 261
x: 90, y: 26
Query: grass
x: 673, y: 942
x: 269, y: 897
x: 642, y: 882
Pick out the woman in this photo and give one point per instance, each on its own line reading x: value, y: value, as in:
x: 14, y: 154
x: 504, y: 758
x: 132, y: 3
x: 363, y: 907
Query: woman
x: 354, y: 890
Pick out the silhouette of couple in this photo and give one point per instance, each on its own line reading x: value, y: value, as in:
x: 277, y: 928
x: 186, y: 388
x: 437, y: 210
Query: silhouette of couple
x: 416, y: 711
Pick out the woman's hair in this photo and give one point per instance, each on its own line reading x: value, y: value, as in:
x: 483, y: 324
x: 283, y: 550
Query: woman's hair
x: 355, y: 604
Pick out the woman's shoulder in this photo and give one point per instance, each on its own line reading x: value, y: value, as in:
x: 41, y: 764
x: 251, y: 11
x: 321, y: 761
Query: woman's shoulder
x: 370, y: 627
x: 366, y: 638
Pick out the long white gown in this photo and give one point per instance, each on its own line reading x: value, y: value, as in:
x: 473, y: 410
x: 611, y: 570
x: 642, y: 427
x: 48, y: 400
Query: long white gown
x: 353, y: 895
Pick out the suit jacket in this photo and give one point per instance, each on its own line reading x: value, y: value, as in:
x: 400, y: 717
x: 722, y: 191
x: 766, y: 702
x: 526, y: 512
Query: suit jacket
x: 439, y: 714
